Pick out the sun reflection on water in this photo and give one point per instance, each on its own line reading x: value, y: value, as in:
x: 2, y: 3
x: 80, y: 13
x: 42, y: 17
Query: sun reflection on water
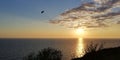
x: 80, y: 48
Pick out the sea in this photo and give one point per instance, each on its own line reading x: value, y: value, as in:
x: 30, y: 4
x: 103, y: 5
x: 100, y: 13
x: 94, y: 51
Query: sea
x: 17, y: 48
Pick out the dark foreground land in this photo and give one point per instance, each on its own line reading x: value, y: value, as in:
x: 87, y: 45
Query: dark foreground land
x: 53, y: 54
x: 103, y: 54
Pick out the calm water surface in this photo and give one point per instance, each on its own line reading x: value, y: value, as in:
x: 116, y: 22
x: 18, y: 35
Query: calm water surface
x: 15, y: 49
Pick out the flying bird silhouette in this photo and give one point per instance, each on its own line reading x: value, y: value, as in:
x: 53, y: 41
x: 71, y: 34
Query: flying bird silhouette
x: 42, y: 11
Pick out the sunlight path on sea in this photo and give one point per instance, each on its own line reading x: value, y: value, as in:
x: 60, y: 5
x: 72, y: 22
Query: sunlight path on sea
x: 80, y: 48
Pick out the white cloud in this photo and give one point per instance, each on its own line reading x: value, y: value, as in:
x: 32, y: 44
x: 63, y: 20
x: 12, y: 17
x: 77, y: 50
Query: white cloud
x: 100, y: 13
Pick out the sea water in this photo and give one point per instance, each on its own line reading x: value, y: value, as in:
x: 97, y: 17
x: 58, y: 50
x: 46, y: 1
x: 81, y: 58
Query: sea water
x: 16, y: 49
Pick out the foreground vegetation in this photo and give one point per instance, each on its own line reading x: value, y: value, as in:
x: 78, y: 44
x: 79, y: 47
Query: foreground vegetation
x: 96, y: 52
x: 45, y: 54
x: 92, y: 52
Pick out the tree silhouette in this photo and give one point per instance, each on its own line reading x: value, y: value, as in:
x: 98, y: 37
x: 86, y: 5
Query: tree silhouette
x: 45, y: 54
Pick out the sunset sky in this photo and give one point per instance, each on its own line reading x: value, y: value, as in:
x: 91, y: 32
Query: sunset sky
x: 22, y: 19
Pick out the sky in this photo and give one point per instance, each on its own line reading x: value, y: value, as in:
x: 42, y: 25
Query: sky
x: 22, y: 19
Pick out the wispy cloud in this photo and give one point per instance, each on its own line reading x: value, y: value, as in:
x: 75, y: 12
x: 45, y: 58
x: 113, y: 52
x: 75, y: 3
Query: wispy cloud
x: 99, y: 13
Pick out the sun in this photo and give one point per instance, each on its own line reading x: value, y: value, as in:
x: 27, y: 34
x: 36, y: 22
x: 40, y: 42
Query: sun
x: 80, y: 31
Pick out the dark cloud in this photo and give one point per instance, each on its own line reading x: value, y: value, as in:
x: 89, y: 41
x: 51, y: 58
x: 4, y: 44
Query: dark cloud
x: 100, y: 13
x: 118, y: 22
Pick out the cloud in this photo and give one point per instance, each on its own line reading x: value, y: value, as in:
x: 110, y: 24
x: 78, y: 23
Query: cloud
x: 99, y: 13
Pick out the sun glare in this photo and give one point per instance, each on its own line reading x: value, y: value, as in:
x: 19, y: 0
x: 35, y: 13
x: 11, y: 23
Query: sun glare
x: 80, y: 48
x: 80, y: 32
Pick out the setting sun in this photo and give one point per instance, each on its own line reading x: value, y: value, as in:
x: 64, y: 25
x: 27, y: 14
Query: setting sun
x: 80, y: 31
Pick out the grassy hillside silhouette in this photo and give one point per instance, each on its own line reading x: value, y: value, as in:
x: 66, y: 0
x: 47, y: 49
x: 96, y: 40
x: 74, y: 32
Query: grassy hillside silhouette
x: 102, y: 54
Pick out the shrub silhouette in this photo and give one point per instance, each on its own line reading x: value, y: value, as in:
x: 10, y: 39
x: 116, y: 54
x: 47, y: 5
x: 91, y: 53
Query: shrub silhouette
x: 31, y: 56
x: 91, y: 48
x: 96, y: 52
x: 45, y: 54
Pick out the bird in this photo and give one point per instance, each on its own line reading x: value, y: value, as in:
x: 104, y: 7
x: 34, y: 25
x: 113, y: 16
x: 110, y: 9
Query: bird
x: 42, y: 11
